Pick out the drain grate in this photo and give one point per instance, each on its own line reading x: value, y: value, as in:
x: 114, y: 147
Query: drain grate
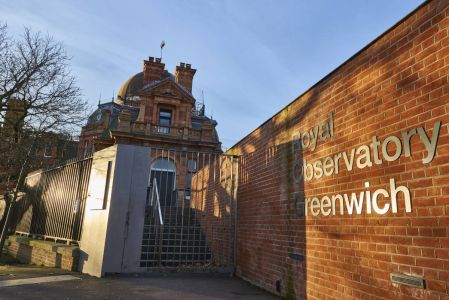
x: 416, y: 282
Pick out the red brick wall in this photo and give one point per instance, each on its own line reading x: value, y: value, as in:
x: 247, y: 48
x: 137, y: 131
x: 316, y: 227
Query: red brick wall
x: 42, y: 256
x: 213, y: 198
x: 398, y: 83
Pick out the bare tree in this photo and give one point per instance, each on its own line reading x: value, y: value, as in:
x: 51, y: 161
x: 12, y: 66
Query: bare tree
x: 38, y: 95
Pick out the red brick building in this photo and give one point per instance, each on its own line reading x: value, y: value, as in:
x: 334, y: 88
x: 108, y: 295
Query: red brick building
x: 344, y: 194
x: 153, y: 108
x: 48, y: 149
x: 157, y: 109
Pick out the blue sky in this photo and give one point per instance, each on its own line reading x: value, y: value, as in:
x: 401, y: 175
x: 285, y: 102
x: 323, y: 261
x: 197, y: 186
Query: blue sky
x: 252, y: 57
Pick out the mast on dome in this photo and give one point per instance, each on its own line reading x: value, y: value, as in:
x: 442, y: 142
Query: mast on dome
x: 162, y: 46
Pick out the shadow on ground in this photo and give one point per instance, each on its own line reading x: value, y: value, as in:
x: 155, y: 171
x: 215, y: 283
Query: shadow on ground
x: 183, y: 286
x: 11, y: 269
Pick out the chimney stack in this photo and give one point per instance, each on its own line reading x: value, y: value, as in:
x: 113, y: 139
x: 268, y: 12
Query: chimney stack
x: 184, y: 75
x: 13, y: 120
x: 152, y: 70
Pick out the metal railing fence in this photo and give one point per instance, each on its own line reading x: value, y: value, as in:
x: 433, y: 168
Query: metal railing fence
x: 197, y: 202
x: 53, y: 203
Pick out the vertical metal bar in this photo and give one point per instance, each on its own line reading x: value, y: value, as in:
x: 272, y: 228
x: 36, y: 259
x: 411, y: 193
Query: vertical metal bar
x: 236, y: 213
x: 40, y: 224
x: 82, y: 206
x: 69, y: 203
x: 161, y: 230
x: 54, y: 210
x: 40, y: 216
x: 80, y: 171
x: 56, y: 203
x: 231, y: 187
x: 36, y: 195
x: 174, y: 193
x: 154, y: 228
x: 58, y: 206
x: 191, y: 208
x: 167, y: 224
x: 225, y: 254
x: 188, y: 214
x: 76, y: 202
x: 68, y: 197
x: 65, y: 201
x: 202, y: 208
x: 80, y: 219
x: 235, y: 188
x: 196, y: 253
x: 183, y: 161
x: 214, y: 226
x: 45, y: 208
x: 47, y: 211
x: 220, y: 211
x: 144, y: 248
x: 209, y: 216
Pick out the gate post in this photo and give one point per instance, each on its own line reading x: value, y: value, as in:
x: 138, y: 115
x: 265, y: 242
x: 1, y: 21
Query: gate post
x: 236, y: 212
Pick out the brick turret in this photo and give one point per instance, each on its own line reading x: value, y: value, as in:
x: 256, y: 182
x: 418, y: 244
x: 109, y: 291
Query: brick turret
x: 152, y: 70
x: 184, y: 75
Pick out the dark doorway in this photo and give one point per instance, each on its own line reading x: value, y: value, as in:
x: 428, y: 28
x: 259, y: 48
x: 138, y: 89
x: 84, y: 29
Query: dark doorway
x: 165, y: 186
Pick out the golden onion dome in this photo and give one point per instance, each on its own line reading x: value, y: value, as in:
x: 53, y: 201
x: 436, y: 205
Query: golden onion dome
x: 131, y: 88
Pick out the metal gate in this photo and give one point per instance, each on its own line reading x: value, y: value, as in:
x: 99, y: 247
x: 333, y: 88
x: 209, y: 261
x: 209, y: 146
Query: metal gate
x: 52, y: 206
x: 190, y: 218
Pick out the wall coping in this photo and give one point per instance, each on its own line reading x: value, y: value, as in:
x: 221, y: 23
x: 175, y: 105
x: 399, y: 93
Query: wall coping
x: 66, y: 250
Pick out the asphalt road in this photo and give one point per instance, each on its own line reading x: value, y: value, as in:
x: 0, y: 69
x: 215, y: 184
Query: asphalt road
x: 151, y: 286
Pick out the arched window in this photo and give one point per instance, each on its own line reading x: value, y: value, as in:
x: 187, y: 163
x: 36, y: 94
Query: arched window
x: 163, y: 172
x: 163, y: 165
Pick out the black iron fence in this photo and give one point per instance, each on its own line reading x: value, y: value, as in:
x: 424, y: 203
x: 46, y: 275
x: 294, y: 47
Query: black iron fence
x: 190, y: 218
x: 53, y: 202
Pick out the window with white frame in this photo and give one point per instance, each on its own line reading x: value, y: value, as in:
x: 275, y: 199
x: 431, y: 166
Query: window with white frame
x: 47, y: 150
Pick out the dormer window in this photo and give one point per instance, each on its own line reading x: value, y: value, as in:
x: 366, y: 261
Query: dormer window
x: 165, y: 117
